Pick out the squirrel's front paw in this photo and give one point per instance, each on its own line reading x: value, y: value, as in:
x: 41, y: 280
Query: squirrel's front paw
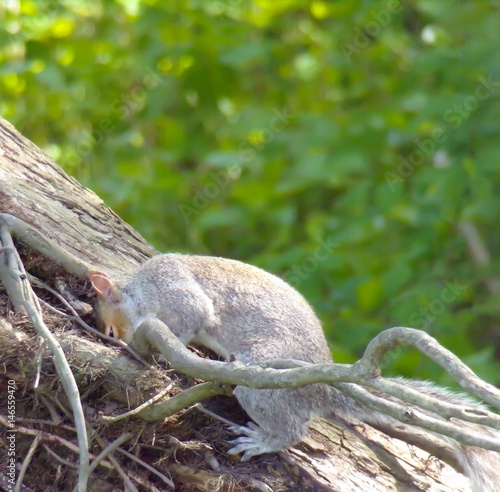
x: 251, y: 443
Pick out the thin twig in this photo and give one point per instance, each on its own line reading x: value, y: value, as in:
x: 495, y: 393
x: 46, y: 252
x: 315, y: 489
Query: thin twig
x: 39, y: 360
x: 47, y: 436
x: 58, y: 458
x: 10, y: 271
x: 147, y: 466
x: 136, y: 410
x: 129, y: 486
x: 126, y: 480
x: 215, y: 416
x: 150, y: 487
x: 109, y: 449
x: 46, y: 422
x: 26, y: 462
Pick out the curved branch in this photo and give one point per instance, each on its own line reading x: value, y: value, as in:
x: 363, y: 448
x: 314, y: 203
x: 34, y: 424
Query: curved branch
x: 394, y: 337
x: 155, y: 333
x: 108, y: 450
x: 29, y: 235
x: 181, y: 400
x: 12, y: 273
x: 412, y: 416
x: 400, y: 389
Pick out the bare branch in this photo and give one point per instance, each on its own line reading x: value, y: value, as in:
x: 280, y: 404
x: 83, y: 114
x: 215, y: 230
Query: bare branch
x: 26, y: 462
x: 400, y: 388
x: 154, y: 332
x: 12, y: 272
x: 147, y: 467
x: 138, y: 409
x: 414, y: 416
x: 182, y: 400
x: 29, y: 235
x: 48, y: 437
x: 394, y: 337
x: 109, y: 449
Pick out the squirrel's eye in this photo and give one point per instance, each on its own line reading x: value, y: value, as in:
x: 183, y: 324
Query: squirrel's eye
x: 111, y: 332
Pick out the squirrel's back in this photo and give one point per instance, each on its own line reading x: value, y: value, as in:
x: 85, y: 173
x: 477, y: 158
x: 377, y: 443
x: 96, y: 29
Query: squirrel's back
x: 264, y: 316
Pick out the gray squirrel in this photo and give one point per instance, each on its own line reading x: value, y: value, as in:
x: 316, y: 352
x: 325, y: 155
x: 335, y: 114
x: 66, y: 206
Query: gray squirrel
x: 244, y: 313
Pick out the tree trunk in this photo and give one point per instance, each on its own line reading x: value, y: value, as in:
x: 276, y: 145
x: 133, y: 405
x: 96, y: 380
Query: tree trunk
x: 190, y: 447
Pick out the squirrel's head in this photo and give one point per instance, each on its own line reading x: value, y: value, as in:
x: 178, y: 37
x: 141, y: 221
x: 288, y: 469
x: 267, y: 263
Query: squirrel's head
x: 112, y: 313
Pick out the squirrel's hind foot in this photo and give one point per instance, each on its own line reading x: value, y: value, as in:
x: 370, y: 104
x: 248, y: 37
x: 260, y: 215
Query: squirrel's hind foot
x: 253, y: 441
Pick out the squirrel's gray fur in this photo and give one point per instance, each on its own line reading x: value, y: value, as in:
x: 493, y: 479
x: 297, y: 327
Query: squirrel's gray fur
x: 242, y: 312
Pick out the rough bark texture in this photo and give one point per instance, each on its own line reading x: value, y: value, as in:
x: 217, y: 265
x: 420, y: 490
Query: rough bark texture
x: 333, y: 458
x: 36, y: 190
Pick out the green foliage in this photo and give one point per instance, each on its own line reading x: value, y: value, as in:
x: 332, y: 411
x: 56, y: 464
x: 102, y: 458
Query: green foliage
x: 337, y: 144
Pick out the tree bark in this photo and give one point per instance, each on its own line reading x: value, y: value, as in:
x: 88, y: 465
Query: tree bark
x: 332, y: 458
x: 35, y: 189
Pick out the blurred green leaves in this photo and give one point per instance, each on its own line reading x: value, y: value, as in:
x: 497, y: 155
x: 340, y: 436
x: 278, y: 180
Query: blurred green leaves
x: 263, y: 130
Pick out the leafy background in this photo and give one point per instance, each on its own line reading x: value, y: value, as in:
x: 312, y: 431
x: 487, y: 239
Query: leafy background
x: 338, y: 144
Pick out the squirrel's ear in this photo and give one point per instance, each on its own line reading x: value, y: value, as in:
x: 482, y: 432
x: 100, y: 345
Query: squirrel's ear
x: 104, y: 286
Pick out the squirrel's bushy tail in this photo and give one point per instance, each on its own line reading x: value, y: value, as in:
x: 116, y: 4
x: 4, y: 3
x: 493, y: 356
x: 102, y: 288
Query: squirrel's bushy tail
x: 481, y: 466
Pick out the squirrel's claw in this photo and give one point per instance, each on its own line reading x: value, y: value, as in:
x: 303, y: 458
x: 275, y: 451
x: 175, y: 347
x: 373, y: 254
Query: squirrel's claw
x: 251, y: 443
